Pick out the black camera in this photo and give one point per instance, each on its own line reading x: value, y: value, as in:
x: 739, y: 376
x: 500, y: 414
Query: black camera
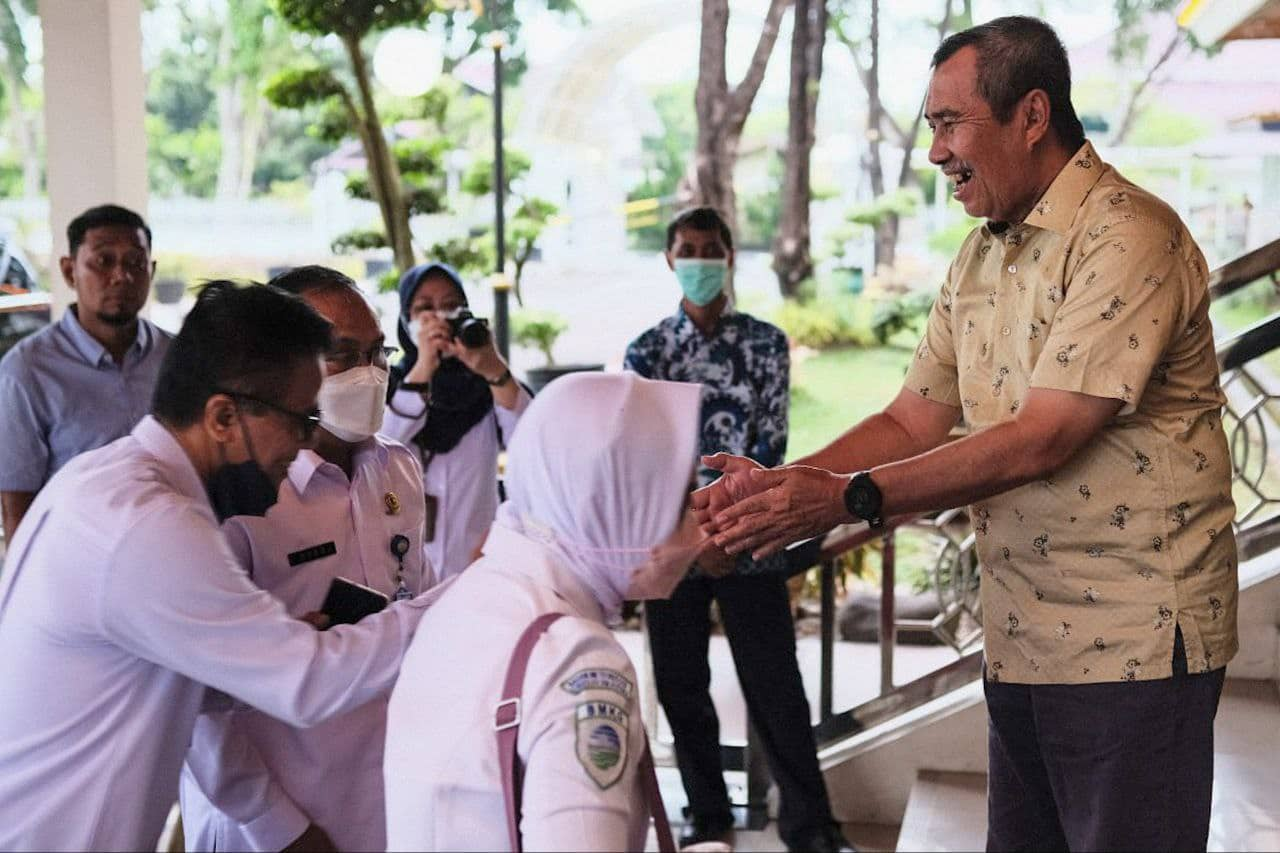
x: 473, y: 331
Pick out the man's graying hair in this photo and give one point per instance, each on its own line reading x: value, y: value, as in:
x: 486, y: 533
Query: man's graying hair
x: 1015, y: 55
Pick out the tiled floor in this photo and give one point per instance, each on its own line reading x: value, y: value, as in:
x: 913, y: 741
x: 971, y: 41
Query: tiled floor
x: 1246, y: 779
x: 1246, y: 800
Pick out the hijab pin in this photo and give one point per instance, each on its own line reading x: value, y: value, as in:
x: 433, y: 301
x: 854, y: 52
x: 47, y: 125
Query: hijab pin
x: 392, y: 503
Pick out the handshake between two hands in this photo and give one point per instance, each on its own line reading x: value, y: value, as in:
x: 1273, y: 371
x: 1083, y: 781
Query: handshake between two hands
x: 758, y: 510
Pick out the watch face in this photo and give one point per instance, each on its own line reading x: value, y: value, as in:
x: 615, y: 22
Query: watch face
x: 860, y: 499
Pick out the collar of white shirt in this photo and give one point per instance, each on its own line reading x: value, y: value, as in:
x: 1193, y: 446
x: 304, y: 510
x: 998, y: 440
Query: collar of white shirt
x: 510, y: 550
x: 157, y: 440
x: 308, y: 462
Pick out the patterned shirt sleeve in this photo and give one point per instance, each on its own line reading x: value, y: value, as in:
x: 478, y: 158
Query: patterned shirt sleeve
x: 637, y: 358
x: 1125, y: 302
x: 933, y: 373
x: 775, y: 397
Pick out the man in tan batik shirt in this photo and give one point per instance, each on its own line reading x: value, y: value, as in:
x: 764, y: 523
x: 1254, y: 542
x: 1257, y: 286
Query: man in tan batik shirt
x: 1072, y: 339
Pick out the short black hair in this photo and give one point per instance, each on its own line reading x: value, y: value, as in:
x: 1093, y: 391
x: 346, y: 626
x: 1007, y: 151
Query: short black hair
x: 700, y: 219
x: 101, y: 216
x: 1015, y: 55
x: 238, y: 337
x: 305, y: 279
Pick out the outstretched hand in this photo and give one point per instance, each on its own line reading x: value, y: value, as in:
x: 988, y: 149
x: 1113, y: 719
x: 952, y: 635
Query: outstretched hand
x: 771, y: 508
x: 734, y: 485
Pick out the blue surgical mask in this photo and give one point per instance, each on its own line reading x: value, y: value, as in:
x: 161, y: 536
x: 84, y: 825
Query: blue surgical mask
x: 701, y: 279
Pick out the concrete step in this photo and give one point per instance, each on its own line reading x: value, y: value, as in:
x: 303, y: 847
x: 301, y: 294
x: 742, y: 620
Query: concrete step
x: 946, y: 811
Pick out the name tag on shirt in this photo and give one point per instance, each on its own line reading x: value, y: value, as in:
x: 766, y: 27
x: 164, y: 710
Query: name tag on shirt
x: 315, y: 552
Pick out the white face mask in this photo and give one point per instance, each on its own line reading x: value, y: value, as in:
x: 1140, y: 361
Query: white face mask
x: 352, y: 402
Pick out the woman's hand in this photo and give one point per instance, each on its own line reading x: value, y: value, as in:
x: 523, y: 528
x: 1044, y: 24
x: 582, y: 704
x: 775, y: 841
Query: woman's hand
x: 434, y: 340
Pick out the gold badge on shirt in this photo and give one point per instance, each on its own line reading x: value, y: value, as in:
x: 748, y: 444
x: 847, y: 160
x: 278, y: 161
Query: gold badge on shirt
x: 392, y: 503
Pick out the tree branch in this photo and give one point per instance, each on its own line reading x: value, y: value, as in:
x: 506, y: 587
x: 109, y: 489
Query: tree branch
x: 745, y: 92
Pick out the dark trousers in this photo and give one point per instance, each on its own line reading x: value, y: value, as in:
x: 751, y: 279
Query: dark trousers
x: 1117, y: 766
x: 756, y: 613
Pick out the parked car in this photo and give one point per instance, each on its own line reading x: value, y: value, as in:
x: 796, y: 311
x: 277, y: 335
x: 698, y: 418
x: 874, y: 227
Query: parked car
x: 25, y: 304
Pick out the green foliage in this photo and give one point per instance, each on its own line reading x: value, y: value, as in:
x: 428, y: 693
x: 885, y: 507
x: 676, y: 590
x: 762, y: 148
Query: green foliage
x: 1159, y: 126
x: 478, y: 179
x: 182, y: 162
x: 909, y: 311
x: 295, y: 88
x: 948, y: 241
x: 664, y: 158
x: 824, y: 315
x: 421, y: 156
x: 501, y: 15
x: 902, y: 202
x: 465, y: 254
x: 351, y: 18
x: 358, y: 186
x: 355, y: 241
x: 538, y: 329
x: 425, y: 200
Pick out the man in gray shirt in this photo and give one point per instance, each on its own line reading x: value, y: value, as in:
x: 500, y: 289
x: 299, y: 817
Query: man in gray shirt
x: 87, y: 379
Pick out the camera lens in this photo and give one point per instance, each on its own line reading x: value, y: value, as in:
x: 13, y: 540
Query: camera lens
x: 473, y: 333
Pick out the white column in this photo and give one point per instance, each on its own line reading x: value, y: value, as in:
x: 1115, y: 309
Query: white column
x: 94, y: 106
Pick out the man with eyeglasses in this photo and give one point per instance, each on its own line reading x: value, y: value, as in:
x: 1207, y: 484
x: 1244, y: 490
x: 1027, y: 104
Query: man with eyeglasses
x: 86, y: 380
x: 121, y: 598
x: 352, y: 508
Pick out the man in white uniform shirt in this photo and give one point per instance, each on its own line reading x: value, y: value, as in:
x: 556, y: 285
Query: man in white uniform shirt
x: 120, y: 599
x: 252, y: 782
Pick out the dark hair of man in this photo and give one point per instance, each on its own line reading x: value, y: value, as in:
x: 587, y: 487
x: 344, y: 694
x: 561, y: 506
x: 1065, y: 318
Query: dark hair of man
x: 238, y: 337
x: 100, y: 217
x: 1015, y: 55
x: 312, y: 277
x: 700, y: 219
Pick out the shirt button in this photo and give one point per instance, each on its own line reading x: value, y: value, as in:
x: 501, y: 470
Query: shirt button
x: 1005, y: 331
x: 1013, y: 268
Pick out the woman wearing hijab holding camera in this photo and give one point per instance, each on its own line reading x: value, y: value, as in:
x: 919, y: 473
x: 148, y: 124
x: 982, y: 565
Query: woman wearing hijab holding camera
x: 453, y: 400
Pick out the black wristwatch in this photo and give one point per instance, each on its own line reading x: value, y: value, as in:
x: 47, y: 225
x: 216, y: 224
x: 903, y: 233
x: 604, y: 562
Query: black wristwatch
x: 862, y: 499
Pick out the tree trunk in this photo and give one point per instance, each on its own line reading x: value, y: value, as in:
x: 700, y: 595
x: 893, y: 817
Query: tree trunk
x: 384, y: 175
x: 722, y: 111
x: 1130, y: 114
x: 254, y: 120
x: 792, y: 260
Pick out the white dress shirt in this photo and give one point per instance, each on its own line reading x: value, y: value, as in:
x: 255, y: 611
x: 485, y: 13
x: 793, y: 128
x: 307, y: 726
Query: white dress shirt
x: 252, y: 782
x: 119, y: 600
x: 464, y: 480
x: 444, y: 790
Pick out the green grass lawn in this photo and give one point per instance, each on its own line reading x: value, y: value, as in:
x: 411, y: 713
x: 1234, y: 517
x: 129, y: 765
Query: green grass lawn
x: 836, y: 388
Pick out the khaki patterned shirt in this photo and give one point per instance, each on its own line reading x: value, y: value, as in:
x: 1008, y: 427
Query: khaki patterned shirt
x: 1085, y: 575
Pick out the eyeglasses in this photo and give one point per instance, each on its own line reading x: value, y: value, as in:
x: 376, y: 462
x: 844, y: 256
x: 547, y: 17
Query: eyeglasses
x: 306, y: 422
x: 345, y: 359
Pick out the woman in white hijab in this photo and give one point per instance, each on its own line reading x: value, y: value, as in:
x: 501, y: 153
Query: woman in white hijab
x: 599, y: 473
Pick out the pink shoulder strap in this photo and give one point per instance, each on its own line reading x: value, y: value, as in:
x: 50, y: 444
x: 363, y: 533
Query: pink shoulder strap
x: 506, y: 723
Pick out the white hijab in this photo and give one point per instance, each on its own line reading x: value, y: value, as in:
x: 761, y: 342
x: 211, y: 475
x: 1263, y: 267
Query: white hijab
x: 598, y: 471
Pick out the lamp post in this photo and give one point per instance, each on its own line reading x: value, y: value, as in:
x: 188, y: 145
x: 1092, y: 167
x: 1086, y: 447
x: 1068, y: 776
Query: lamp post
x: 496, y: 41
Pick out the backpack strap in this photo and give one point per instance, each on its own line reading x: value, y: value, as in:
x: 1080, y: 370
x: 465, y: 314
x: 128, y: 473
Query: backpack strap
x: 506, y: 724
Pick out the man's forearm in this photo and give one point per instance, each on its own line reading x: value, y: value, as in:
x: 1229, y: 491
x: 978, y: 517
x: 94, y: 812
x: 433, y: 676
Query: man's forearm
x: 877, y: 440
x: 986, y: 463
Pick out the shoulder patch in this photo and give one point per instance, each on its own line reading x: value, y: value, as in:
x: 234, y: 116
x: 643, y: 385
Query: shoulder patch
x: 601, y: 742
x: 598, y: 679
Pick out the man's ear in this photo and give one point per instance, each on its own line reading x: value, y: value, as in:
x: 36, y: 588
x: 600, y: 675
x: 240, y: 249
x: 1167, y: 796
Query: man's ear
x: 670, y: 263
x: 67, y: 266
x: 221, y: 418
x: 1036, y: 113
x: 729, y: 257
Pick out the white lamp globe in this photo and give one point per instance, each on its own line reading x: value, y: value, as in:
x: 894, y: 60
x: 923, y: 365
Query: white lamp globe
x: 408, y: 62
